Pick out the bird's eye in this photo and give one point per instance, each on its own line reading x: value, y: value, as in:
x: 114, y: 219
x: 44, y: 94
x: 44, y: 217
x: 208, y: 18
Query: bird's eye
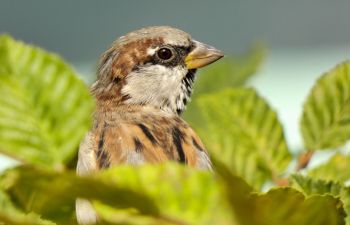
x: 164, y: 53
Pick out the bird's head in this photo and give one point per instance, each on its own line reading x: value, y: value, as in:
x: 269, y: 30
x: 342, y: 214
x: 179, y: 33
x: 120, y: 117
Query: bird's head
x: 152, y: 66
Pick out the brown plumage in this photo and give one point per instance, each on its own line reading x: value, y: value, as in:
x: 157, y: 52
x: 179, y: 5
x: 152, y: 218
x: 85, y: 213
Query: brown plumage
x: 137, y: 134
x: 144, y: 82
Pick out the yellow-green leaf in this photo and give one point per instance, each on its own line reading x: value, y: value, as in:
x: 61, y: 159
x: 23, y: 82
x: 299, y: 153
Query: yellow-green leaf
x: 9, y: 214
x: 311, y: 186
x: 336, y: 169
x: 237, y: 192
x: 289, y: 207
x: 325, y: 120
x: 52, y: 194
x: 242, y: 130
x: 231, y: 71
x: 278, y: 206
x: 181, y: 193
x: 45, y: 108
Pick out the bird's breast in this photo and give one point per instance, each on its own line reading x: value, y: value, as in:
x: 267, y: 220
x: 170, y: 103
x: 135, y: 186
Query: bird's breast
x: 138, y: 137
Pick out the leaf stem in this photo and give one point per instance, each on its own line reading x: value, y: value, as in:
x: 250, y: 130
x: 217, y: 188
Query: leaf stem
x: 282, y: 182
x: 303, y: 160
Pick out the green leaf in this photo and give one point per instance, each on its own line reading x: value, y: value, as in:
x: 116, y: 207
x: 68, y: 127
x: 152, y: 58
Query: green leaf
x: 161, y: 194
x: 311, y: 186
x: 336, y: 169
x: 231, y: 71
x: 53, y: 194
x: 9, y: 214
x: 181, y: 193
x: 45, y: 108
x: 289, y: 207
x: 278, y: 206
x: 236, y: 191
x: 241, y: 130
x: 325, y: 120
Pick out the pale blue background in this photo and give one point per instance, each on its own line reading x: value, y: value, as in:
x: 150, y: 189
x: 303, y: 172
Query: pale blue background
x: 305, y: 37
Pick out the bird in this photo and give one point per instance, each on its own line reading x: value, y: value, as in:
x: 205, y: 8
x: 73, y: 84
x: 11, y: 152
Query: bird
x: 144, y: 82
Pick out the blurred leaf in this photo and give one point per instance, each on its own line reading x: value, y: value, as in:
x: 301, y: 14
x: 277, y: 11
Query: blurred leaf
x: 231, y: 71
x: 289, y: 207
x: 237, y: 193
x: 53, y: 195
x: 325, y: 121
x: 336, y: 169
x: 181, y: 193
x: 243, y: 131
x: 44, y: 108
x: 310, y: 186
x: 9, y: 214
x: 278, y: 206
x: 162, y: 194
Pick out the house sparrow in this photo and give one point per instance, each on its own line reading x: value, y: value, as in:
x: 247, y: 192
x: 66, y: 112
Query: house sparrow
x: 144, y: 82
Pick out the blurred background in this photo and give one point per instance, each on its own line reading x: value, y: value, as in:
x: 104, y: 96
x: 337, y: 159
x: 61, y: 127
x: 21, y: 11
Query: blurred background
x: 303, y: 38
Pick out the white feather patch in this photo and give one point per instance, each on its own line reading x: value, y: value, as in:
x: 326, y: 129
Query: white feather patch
x: 85, y: 212
x: 203, y: 161
x: 86, y: 164
x: 156, y: 85
x: 87, y: 159
x: 152, y: 51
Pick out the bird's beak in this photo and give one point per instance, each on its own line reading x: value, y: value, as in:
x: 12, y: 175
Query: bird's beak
x: 202, y: 55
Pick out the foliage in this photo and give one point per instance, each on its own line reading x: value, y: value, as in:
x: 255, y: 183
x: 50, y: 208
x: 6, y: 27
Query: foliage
x: 9, y: 214
x: 177, y: 195
x: 312, y: 186
x: 45, y: 110
x: 259, y: 151
x: 229, y: 72
x: 175, y: 199
x: 24, y: 185
x: 289, y: 207
x: 336, y: 169
x: 325, y: 121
